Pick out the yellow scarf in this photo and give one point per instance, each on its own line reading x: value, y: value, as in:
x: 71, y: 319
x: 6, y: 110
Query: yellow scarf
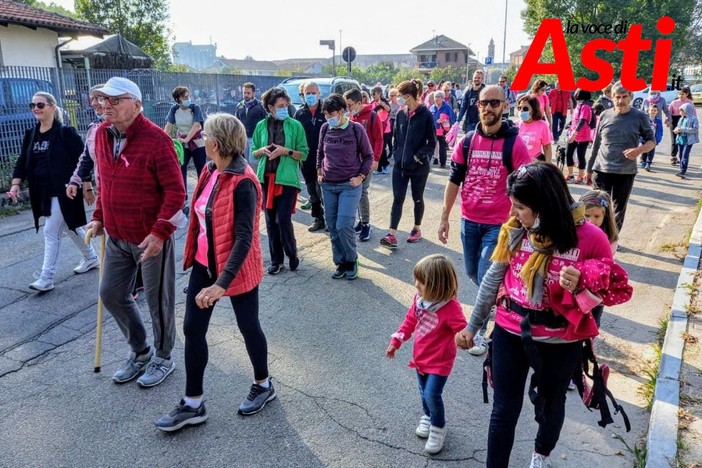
x: 534, y: 270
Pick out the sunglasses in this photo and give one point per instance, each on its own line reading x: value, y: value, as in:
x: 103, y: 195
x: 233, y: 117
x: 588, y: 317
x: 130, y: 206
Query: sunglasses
x: 113, y: 100
x: 525, y: 171
x: 525, y: 109
x: 38, y: 105
x: 494, y: 103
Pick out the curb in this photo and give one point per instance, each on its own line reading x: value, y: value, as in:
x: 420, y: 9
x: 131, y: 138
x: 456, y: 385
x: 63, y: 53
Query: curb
x: 662, y: 442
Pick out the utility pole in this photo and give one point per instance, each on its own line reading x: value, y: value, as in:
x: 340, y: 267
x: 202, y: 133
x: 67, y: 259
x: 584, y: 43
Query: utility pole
x: 504, y: 37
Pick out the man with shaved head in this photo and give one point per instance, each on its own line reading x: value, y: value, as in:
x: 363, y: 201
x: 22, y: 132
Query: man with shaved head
x: 480, y: 164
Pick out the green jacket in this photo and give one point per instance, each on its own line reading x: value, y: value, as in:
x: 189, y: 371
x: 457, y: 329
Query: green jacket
x: 288, y: 172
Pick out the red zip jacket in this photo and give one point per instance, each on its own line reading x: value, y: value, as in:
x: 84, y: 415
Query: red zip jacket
x: 142, y: 190
x: 434, y: 345
x: 375, y: 134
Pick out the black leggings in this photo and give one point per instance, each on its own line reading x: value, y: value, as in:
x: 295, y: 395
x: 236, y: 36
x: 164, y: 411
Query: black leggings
x: 198, y: 320
x: 387, y: 151
x: 510, y: 367
x: 399, y: 191
x: 582, y: 150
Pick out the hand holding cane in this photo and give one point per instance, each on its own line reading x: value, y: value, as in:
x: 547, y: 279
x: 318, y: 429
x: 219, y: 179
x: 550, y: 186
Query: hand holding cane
x: 98, y: 330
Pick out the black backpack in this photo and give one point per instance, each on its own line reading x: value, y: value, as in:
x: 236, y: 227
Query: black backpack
x: 506, y: 150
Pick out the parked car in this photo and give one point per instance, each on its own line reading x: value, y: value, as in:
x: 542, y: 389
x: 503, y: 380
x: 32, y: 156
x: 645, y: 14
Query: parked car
x: 327, y: 86
x: 15, y: 116
x: 670, y: 94
x: 696, y: 91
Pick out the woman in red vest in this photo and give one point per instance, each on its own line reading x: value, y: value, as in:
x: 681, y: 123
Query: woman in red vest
x: 224, y: 249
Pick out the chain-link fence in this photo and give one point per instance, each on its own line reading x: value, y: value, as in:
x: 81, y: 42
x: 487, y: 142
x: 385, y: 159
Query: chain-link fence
x: 213, y: 92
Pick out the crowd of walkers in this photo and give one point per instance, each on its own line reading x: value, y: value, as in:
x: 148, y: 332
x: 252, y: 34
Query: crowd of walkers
x: 543, y: 262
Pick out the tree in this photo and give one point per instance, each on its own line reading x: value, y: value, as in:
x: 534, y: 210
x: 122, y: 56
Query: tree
x: 142, y: 22
x: 452, y: 74
x: 51, y: 6
x: 406, y: 74
x: 644, y: 12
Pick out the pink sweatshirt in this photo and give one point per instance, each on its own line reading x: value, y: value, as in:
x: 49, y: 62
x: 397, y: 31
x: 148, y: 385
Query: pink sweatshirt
x: 434, y: 346
x: 592, y: 244
x: 483, y: 192
x: 582, y: 112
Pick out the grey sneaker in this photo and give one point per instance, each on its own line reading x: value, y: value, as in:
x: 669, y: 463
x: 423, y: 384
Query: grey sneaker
x: 182, y: 415
x: 42, y: 285
x: 86, y: 265
x: 480, y: 345
x: 132, y: 367
x: 156, y: 372
x: 257, y: 399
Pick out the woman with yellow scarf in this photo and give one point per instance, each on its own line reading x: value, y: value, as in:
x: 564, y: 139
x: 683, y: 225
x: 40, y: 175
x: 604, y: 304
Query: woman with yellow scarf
x: 550, y: 268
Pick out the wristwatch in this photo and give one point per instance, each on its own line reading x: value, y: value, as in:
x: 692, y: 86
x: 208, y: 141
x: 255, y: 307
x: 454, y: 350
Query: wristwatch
x: 290, y: 152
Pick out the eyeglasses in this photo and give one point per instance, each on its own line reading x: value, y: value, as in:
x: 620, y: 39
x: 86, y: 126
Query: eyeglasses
x: 205, y: 136
x: 525, y: 109
x: 38, y: 105
x: 113, y: 100
x: 494, y: 103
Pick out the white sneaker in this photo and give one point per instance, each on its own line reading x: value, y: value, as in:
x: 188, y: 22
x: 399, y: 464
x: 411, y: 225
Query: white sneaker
x: 86, y: 265
x: 42, y: 285
x: 423, y: 428
x: 480, y: 344
x: 435, y: 443
x: 539, y: 461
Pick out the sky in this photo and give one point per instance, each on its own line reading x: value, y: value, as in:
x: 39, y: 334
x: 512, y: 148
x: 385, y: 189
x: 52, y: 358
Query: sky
x: 280, y: 29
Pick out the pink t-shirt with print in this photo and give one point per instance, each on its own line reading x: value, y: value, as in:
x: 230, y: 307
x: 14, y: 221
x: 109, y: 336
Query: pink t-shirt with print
x: 592, y: 244
x: 200, y: 207
x: 483, y: 192
x: 582, y: 112
x: 535, y: 134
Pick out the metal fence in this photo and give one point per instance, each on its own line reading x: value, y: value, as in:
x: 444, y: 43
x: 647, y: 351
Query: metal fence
x: 213, y: 92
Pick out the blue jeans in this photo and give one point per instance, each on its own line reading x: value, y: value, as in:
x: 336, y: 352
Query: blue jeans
x: 430, y: 388
x: 479, y: 240
x: 684, y: 153
x: 558, y: 124
x: 340, y: 203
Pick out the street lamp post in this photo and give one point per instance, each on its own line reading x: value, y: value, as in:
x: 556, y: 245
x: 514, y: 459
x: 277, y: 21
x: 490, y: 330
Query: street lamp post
x: 504, y: 37
x: 332, y: 45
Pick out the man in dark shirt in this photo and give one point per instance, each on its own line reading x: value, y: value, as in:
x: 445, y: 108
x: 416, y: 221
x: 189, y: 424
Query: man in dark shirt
x: 469, y: 108
x: 311, y: 117
x: 250, y: 112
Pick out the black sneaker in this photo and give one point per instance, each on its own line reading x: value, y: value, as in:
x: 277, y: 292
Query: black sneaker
x: 182, y: 415
x: 275, y: 269
x: 294, y: 263
x: 365, y: 234
x: 257, y: 399
x: 352, y: 270
x: 317, y: 225
x: 358, y: 228
x: 340, y: 271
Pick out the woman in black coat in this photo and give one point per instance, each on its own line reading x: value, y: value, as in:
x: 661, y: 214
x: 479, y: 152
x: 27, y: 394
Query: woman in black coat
x: 415, y: 139
x: 50, y: 152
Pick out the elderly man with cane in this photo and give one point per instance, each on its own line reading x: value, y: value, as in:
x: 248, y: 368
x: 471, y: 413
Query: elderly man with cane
x: 141, y: 193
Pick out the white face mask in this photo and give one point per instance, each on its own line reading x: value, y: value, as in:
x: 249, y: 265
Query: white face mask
x: 401, y: 101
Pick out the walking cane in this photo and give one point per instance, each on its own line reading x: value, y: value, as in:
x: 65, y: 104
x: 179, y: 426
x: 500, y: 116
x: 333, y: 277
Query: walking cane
x: 98, y: 330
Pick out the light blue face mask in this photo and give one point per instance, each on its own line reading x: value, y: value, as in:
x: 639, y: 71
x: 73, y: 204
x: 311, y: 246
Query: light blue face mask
x: 185, y: 103
x: 333, y: 122
x: 311, y: 99
x: 281, y: 114
x: 525, y: 115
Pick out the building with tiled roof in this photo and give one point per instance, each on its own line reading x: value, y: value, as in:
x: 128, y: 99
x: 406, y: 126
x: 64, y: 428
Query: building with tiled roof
x: 441, y: 51
x: 29, y: 36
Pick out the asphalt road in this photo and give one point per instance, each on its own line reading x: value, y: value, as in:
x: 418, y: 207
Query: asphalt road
x: 340, y: 402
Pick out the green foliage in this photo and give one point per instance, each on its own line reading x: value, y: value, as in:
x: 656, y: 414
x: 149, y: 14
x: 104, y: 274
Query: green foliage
x: 51, y: 6
x: 638, y: 451
x: 645, y: 12
x: 452, y: 74
x: 142, y: 22
x: 406, y: 74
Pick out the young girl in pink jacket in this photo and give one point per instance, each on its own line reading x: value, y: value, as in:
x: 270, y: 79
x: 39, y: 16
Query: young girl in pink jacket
x: 434, y: 317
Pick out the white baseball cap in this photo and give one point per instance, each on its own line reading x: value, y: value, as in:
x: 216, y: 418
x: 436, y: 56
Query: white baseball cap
x: 117, y: 86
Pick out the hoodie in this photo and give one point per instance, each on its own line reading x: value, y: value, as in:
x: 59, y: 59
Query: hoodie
x: 414, y: 136
x: 483, y: 176
x: 690, y: 126
x: 373, y: 127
